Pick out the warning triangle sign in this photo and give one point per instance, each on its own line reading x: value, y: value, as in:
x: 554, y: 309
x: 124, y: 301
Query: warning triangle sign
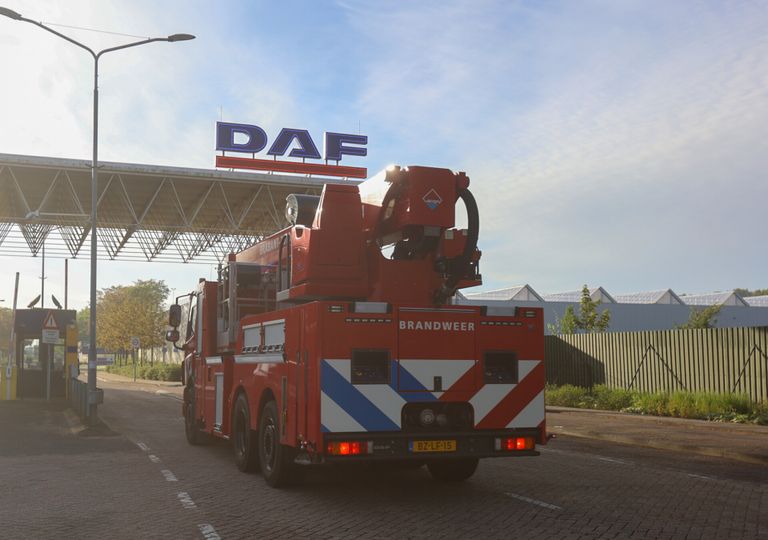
x: 50, y: 322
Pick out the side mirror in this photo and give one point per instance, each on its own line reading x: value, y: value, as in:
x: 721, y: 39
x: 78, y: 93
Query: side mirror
x: 172, y: 336
x: 174, y: 316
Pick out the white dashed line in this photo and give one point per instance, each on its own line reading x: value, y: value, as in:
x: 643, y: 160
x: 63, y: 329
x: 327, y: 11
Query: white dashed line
x: 700, y: 476
x: 611, y: 460
x: 532, y: 501
x: 186, y: 501
x: 208, y: 532
x: 169, y: 475
x: 143, y: 446
x: 153, y: 458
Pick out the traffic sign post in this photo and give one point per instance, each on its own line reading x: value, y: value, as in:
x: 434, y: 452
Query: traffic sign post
x: 51, y: 336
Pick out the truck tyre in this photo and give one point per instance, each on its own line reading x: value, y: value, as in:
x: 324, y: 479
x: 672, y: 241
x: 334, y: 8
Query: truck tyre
x: 191, y: 429
x: 194, y: 435
x: 277, y: 466
x: 243, y: 437
x: 452, y: 470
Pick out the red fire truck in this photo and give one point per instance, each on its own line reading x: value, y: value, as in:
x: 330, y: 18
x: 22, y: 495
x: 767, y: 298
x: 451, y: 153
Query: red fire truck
x: 336, y: 340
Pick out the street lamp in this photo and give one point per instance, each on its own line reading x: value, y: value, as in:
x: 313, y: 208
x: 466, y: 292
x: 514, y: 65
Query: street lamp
x: 94, y: 179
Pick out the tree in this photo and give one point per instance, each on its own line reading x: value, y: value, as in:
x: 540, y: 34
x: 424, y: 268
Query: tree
x: 589, y: 319
x: 134, y: 310
x: 83, y: 320
x: 746, y: 292
x: 566, y: 325
x: 702, y: 318
x: 6, y: 318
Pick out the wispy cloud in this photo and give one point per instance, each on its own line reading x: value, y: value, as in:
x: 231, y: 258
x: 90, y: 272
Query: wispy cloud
x: 602, y: 140
x: 622, y: 144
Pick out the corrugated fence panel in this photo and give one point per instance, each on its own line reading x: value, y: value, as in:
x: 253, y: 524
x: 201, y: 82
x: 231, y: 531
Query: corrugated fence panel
x: 720, y: 360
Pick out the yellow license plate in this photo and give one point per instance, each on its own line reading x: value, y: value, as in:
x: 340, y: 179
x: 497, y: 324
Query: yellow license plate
x: 433, y: 446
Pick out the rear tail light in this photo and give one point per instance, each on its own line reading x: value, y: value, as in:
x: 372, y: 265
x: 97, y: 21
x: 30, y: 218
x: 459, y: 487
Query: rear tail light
x: 349, y: 448
x: 512, y: 444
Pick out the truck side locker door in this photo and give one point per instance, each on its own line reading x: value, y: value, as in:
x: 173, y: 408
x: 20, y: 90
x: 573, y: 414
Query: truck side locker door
x: 213, y: 381
x: 301, y: 377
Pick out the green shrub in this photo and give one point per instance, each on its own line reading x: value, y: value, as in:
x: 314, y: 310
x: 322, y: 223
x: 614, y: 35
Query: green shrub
x: 611, y: 399
x: 697, y: 405
x: 158, y: 372
x: 656, y: 403
x: 566, y: 395
x: 684, y: 405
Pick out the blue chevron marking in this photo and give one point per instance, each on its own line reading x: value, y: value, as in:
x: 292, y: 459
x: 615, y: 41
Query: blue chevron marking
x: 349, y: 398
x: 404, y: 379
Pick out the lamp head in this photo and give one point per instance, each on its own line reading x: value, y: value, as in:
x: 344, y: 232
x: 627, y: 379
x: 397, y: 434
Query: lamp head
x: 10, y: 13
x: 180, y: 37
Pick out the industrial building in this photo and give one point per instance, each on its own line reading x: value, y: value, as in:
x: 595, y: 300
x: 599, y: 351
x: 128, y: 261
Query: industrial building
x: 650, y: 310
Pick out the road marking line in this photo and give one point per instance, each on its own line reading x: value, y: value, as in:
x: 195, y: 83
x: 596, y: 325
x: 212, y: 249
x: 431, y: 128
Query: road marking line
x: 101, y: 380
x: 143, y: 446
x: 700, y: 476
x: 208, y: 532
x: 532, y: 501
x: 169, y: 475
x: 612, y: 460
x: 161, y: 392
x: 153, y: 458
x: 186, y: 501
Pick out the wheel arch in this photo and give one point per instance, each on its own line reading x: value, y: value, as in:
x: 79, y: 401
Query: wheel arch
x: 267, y: 395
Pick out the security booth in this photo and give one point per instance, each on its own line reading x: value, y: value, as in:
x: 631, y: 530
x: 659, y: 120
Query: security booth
x: 43, y: 338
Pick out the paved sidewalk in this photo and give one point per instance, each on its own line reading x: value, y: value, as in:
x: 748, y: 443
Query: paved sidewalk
x: 60, y: 479
x: 742, y: 442
x: 171, y: 388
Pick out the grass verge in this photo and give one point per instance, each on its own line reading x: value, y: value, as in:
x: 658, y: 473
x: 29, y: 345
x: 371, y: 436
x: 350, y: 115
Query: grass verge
x: 158, y: 372
x: 698, y: 405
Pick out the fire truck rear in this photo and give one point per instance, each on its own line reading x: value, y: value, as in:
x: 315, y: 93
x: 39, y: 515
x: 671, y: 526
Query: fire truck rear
x: 335, y: 340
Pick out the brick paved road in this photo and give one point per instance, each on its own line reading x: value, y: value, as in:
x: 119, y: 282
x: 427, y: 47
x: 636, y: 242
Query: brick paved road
x: 576, y: 489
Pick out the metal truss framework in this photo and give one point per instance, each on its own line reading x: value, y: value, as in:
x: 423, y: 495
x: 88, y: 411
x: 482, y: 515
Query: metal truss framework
x: 145, y: 212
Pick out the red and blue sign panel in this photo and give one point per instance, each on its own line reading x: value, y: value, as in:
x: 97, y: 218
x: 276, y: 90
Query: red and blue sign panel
x: 251, y: 139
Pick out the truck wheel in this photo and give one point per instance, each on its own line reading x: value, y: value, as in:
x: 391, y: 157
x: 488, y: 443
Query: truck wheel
x: 452, y: 470
x: 276, y: 460
x: 243, y: 437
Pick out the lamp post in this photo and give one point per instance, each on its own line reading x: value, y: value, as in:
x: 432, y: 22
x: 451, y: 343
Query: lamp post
x: 92, y: 406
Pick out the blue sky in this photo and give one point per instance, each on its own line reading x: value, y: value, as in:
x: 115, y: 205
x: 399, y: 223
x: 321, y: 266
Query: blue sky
x: 614, y: 143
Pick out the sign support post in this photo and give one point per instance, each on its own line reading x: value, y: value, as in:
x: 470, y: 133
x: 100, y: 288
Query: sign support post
x: 50, y: 337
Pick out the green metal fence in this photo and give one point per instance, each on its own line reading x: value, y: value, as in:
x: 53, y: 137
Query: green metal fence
x: 720, y: 360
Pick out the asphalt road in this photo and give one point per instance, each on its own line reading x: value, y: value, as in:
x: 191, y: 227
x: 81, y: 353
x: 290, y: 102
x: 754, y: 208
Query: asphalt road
x: 147, y: 483
x: 576, y: 489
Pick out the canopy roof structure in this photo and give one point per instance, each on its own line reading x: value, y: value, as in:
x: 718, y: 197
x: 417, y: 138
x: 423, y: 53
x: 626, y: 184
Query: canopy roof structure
x: 761, y: 301
x: 596, y: 293
x: 518, y: 292
x: 145, y: 212
x: 663, y: 296
x: 727, y: 298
